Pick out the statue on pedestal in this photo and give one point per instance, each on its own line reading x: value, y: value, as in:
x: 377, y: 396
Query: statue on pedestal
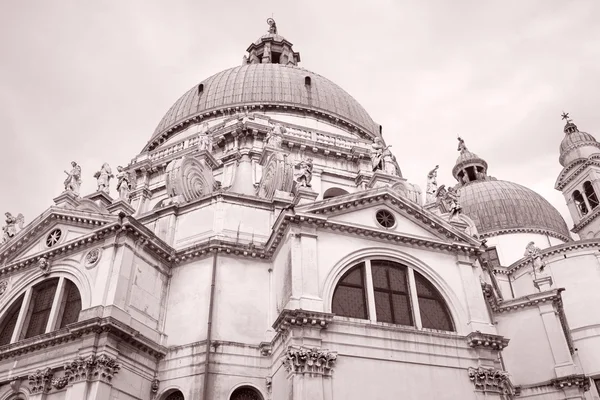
x: 432, y: 185
x: 275, y: 135
x: 10, y: 229
x: 390, y: 165
x: 462, y: 147
x: 377, y: 154
x: 452, y: 200
x: 73, y: 181
x: 104, y: 176
x: 304, y: 174
x: 125, y: 183
x: 535, y: 256
x: 206, y: 142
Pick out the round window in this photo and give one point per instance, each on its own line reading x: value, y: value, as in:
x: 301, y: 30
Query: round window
x: 53, y: 237
x: 385, y: 218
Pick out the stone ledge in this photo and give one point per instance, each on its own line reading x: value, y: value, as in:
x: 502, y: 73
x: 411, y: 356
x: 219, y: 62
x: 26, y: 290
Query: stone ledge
x: 478, y: 339
x: 288, y: 319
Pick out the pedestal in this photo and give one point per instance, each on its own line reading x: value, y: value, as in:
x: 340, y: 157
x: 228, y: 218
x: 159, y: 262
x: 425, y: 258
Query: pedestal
x: 304, y: 195
x: 543, y: 282
x: 67, y: 199
x: 381, y: 179
x: 121, y: 206
x: 102, y: 199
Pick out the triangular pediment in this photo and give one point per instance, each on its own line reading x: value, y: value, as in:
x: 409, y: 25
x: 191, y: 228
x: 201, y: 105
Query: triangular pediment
x: 360, y: 210
x: 62, y: 224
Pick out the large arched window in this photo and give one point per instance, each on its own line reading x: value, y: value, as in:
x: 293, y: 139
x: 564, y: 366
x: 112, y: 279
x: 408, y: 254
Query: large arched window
x: 386, y: 291
x: 590, y: 194
x: 246, y: 393
x: 44, y: 307
x: 579, y: 203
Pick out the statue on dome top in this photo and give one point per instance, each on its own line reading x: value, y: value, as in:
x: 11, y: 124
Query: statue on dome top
x: 10, y: 229
x: 534, y: 254
x: 73, y: 181
x: 125, y: 183
x: 462, y: 147
x: 432, y: 185
x: 103, y: 177
x: 272, y: 26
x: 304, y: 174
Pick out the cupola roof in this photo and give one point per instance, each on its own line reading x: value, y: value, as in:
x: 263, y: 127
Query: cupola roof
x: 574, y: 139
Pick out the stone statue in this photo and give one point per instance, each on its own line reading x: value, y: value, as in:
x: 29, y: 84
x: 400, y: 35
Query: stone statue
x: 206, y: 142
x: 125, y: 183
x: 73, y: 181
x: 535, y: 256
x: 10, y: 229
x: 377, y: 149
x: 304, y: 174
x: 275, y: 135
x: 272, y: 26
x: 44, y: 265
x: 390, y: 165
x: 462, y: 147
x: 432, y: 185
x: 266, y: 57
x: 452, y: 200
x: 104, y: 176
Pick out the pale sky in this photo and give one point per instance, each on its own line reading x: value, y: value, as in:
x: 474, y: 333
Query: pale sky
x: 90, y: 80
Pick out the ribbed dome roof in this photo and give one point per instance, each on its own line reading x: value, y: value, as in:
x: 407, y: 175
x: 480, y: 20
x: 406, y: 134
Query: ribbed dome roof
x: 268, y: 85
x: 500, y: 206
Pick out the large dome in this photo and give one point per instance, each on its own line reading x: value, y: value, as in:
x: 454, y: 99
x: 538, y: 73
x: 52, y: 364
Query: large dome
x: 502, y: 207
x: 268, y: 85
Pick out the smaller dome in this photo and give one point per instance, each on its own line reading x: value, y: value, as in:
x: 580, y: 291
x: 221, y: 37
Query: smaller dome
x: 468, y: 163
x: 576, y: 144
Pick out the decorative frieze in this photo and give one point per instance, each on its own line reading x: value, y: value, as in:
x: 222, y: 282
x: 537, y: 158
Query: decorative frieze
x: 92, y: 367
x: 303, y: 360
x: 60, y: 383
x: 579, y: 380
x: 300, y: 318
x: 494, y: 342
x: 491, y: 380
x: 40, y: 381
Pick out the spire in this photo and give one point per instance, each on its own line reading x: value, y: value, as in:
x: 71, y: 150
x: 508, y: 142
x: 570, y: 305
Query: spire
x: 570, y: 127
x: 271, y: 48
x: 469, y: 166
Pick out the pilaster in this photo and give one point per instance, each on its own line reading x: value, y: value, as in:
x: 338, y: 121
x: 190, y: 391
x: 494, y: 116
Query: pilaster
x: 563, y: 362
x: 479, y: 319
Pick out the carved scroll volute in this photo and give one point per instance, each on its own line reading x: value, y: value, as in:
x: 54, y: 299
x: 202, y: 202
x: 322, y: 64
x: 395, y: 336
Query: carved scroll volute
x: 188, y: 179
x: 277, y: 174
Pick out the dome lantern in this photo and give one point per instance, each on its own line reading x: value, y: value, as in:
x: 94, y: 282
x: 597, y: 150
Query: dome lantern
x: 576, y: 144
x: 469, y: 166
x: 271, y: 48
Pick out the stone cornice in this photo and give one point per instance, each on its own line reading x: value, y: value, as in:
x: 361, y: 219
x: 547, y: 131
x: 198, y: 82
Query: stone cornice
x: 495, y: 342
x: 566, y: 176
x: 80, y: 329
x: 586, y: 220
x: 525, y: 230
x: 532, y: 300
x: 550, y: 251
x: 289, y: 319
x: 579, y: 380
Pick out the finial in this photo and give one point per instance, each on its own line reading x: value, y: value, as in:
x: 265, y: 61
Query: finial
x: 272, y: 26
x: 565, y: 116
x: 462, y: 147
x: 570, y: 127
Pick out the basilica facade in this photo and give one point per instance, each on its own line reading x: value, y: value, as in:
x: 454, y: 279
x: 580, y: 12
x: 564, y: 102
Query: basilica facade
x: 264, y: 244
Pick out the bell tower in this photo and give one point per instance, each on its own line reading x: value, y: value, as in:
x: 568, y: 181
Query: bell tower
x: 579, y: 181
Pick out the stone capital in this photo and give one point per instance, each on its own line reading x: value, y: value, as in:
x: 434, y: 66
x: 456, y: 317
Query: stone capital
x: 311, y: 361
x: 491, y: 380
x: 40, y: 381
x: 572, y: 381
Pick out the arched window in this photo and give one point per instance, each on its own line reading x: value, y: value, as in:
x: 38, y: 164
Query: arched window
x: 177, y: 395
x: 333, y: 192
x: 246, y: 393
x: 395, y: 294
x: 579, y: 203
x: 590, y: 194
x: 44, y: 307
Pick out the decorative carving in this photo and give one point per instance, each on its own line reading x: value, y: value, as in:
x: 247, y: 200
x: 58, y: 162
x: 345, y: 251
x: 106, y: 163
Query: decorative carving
x: 60, y: 383
x: 269, y: 383
x: 491, y: 380
x: 92, y: 367
x: 432, y: 185
x: 206, y: 142
x: 277, y: 175
x: 3, y: 286
x: 10, y: 229
x: 73, y: 181
x: 447, y: 200
x: 302, y: 360
x: 275, y: 135
x: 44, y: 265
x: 303, y: 175
x: 189, y: 179
x: 103, y: 177
x: 534, y: 255
x: 265, y: 348
x: 125, y: 183
x: 40, y: 381
x: 154, y: 386
x: 289, y: 318
x: 15, y: 385
x: 478, y: 339
x: 92, y: 257
x: 579, y: 380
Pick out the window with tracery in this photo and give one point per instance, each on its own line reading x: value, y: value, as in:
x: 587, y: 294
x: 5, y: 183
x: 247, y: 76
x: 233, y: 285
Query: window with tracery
x: 387, y: 291
x: 246, y: 393
x: 43, y: 308
x: 580, y: 203
x: 590, y: 194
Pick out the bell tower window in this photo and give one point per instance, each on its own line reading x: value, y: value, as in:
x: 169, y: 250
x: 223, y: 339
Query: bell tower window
x: 580, y: 203
x: 590, y: 194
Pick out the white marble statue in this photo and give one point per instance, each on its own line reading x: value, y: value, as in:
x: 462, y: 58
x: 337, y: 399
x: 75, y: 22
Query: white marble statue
x: 10, y: 229
x: 432, y: 186
x: 124, y: 183
x: 535, y: 256
x: 275, y: 135
x: 390, y: 165
x: 452, y: 200
x: 103, y: 177
x: 304, y: 174
x: 73, y: 181
x: 206, y: 142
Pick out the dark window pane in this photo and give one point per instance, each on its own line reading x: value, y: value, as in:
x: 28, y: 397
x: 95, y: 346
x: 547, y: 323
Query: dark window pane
x: 42, y: 297
x: 383, y: 307
x: 175, y: 396
x: 433, y: 310
x: 380, y: 279
x: 246, y: 393
x: 349, y: 298
x: 590, y: 194
x: 71, y: 305
x: 398, y: 279
x: 10, y: 321
x: 402, y: 314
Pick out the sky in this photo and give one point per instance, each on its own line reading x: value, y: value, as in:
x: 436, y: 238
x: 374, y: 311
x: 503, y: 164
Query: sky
x: 90, y: 80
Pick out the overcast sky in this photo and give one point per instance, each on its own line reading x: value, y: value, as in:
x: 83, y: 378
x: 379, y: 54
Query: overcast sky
x: 90, y: 80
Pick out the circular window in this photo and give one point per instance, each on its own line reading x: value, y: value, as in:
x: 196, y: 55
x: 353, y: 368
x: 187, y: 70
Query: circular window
x: 53, y: 237
x: 385, y: 218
